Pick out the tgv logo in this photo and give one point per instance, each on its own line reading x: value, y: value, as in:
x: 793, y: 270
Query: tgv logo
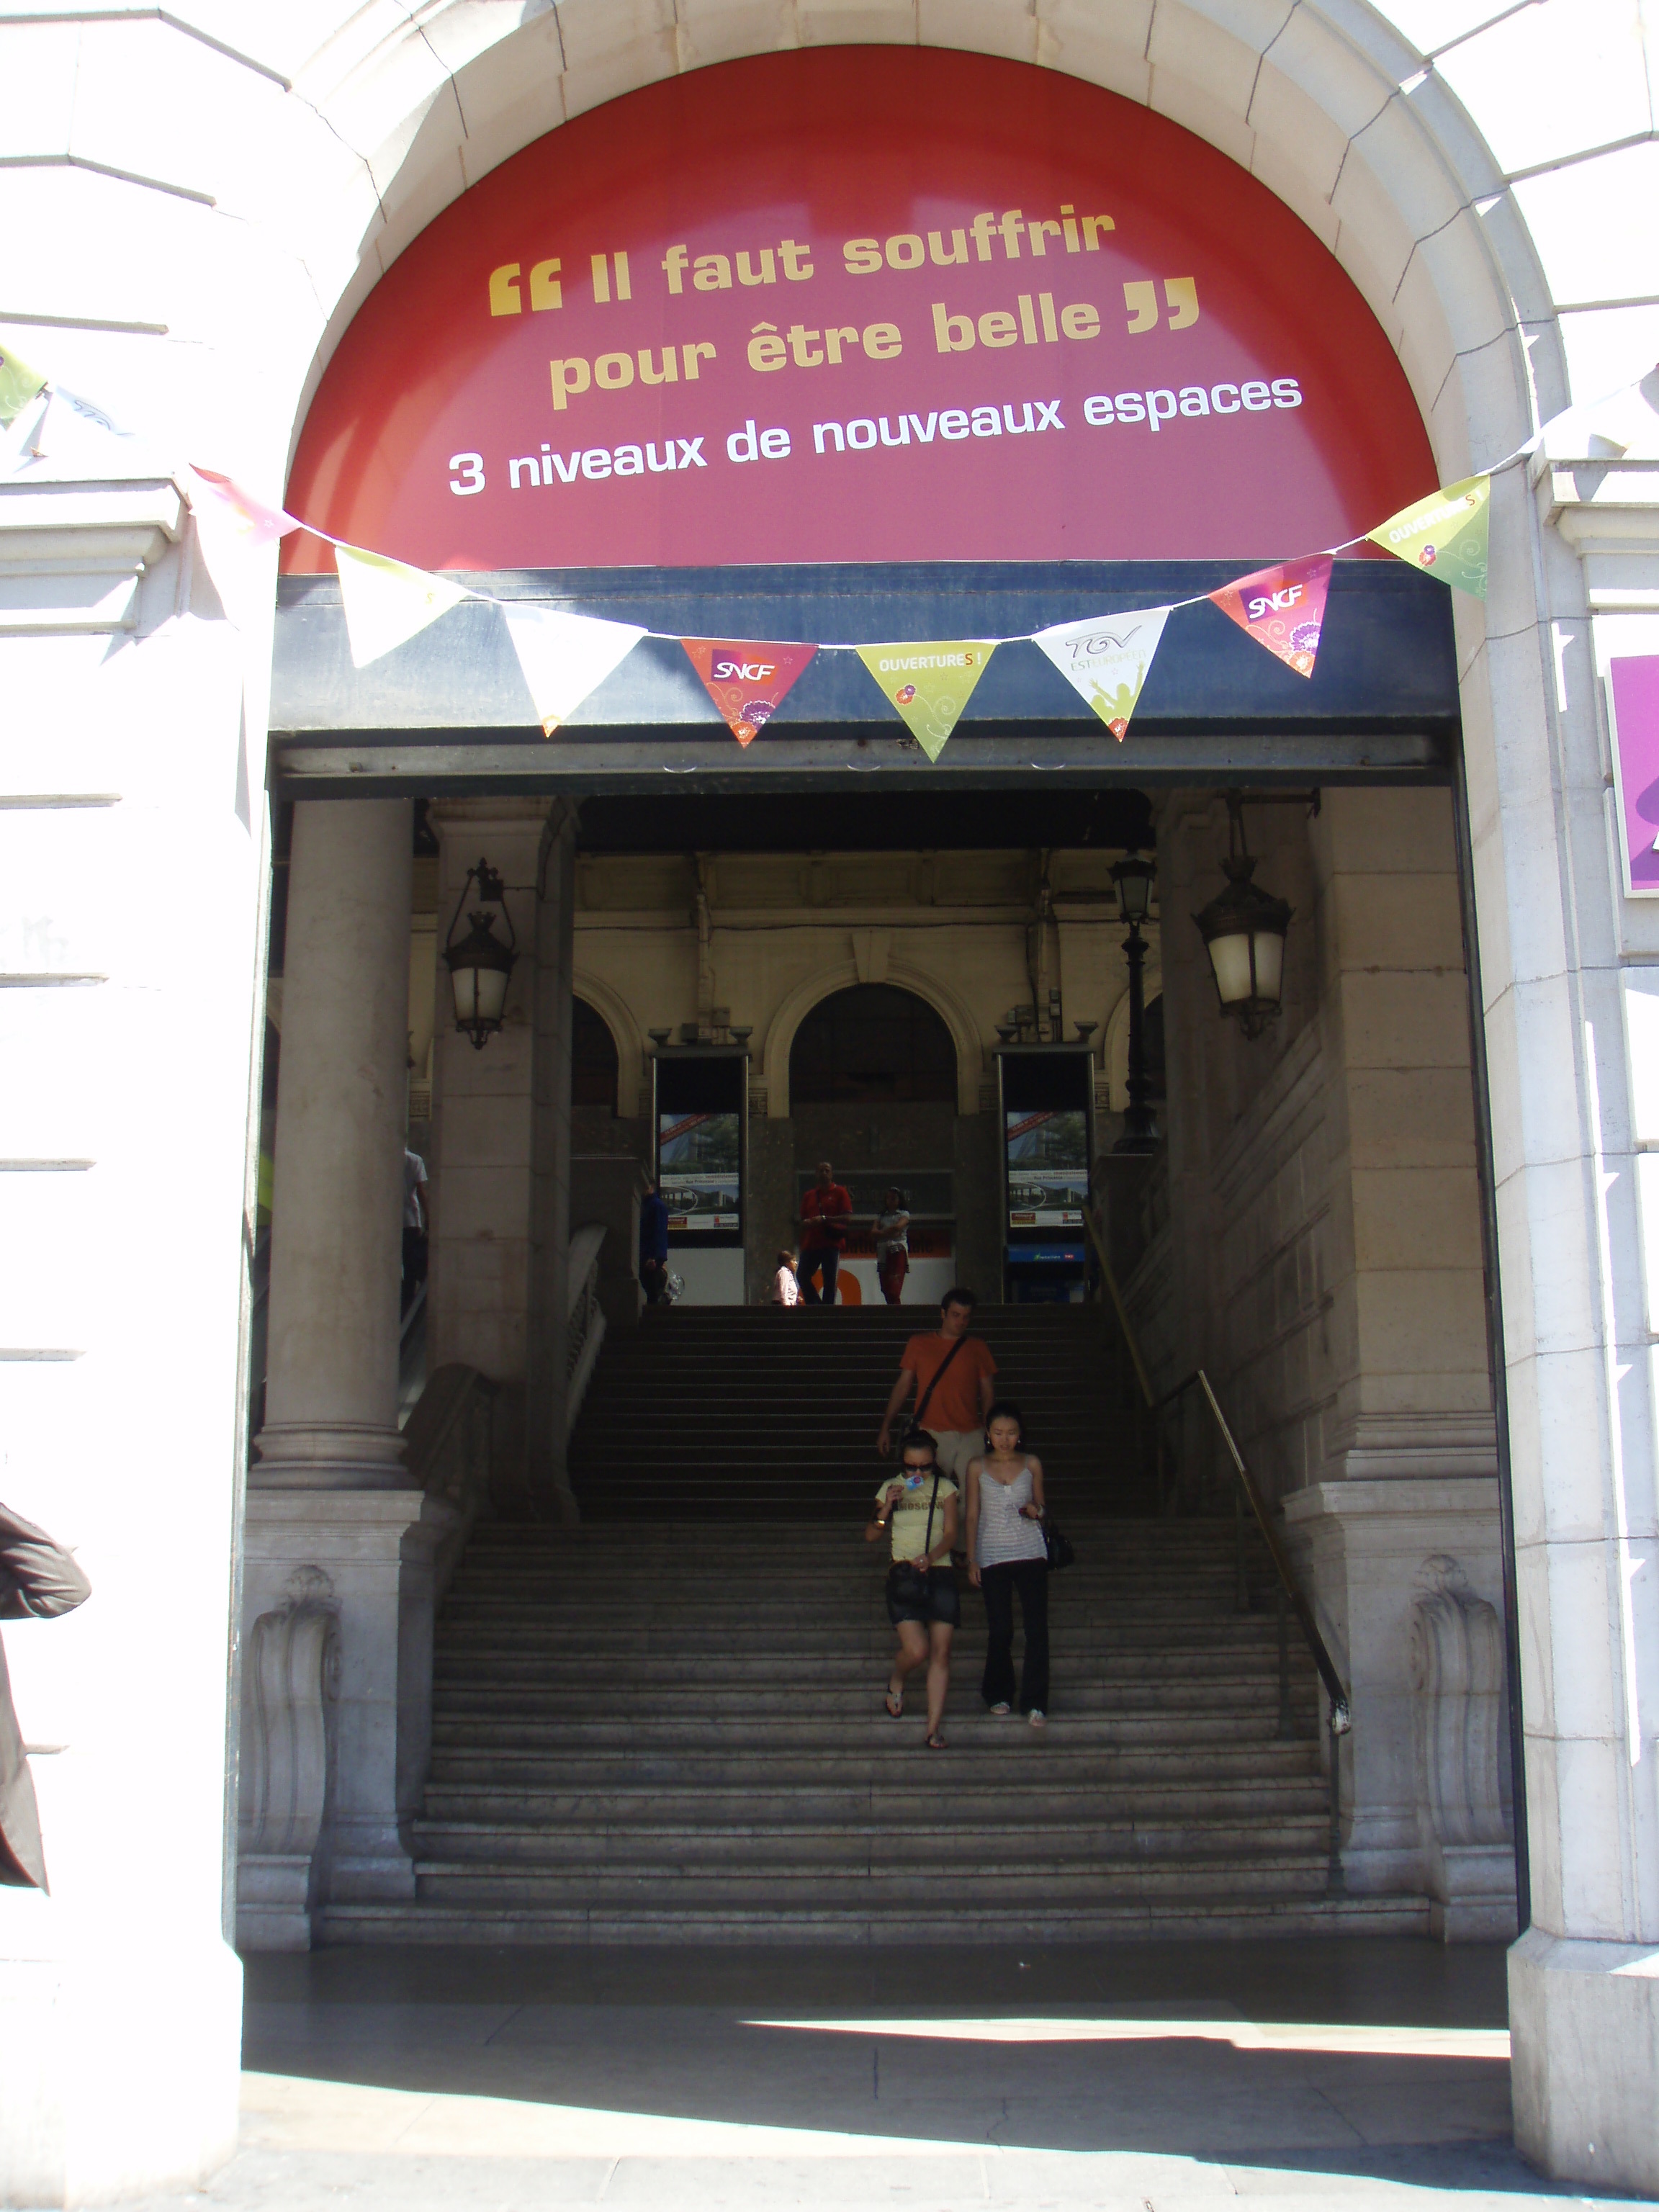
x: 1272, y: 602
x: 746, y: 672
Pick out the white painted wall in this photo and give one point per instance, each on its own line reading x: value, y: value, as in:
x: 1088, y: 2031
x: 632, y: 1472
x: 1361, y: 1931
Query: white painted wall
x: 193, y: 207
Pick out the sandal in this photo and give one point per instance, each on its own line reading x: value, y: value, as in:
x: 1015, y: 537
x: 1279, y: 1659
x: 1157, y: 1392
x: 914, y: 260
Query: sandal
x: 895, y: 1700
x: 936, y: 1741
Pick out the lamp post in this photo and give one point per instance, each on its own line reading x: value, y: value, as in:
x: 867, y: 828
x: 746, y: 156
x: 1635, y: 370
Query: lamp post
x: 1134, y: 876
x: 480, y: 965
x: 1243, y: 928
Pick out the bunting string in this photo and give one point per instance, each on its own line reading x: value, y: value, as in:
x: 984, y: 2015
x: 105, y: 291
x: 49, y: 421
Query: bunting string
x: 564, y: 658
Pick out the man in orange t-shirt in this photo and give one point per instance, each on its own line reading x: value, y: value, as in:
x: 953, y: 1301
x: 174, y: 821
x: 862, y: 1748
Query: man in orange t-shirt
x: 954, y: 1413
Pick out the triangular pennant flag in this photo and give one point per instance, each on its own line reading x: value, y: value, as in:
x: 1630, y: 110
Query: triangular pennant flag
x: 929, y: 683
x: 1282, y: 608
x: 565, y: 657
x: 237, y: 532
x: 386, y: 603
x: 1106, y: 658
x: 1446, y: 533
x: 19, y: 384
x: 218, y: 502
x: 746, y: 681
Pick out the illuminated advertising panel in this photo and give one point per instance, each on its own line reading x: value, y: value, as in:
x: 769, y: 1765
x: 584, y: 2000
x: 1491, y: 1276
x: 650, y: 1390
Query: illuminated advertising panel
x: 701, y: 1112
x: 1048, y: 1167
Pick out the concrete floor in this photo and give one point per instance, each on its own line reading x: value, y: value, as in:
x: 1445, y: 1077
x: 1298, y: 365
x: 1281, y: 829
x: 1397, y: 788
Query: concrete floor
x: 1155, y: 2077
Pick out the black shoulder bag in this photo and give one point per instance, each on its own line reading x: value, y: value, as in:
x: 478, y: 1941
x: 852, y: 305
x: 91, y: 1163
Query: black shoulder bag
x: 906, y: 1581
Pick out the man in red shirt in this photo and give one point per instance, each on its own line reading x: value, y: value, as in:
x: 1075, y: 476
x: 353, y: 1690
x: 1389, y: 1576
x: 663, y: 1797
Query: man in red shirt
x: 824, y: 1212
x: 952, y: 1402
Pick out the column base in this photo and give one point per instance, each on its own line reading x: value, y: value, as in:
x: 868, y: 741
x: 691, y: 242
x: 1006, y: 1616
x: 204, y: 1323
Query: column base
x: 1584, y: 2019
x: 121, y: 2065
x: 341, y: 1456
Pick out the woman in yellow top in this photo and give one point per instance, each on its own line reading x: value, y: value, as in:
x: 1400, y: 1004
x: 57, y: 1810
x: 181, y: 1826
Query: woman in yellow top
x: 923, y: 1602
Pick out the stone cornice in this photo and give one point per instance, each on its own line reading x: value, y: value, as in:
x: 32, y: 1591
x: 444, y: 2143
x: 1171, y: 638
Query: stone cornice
x: 72, y: 554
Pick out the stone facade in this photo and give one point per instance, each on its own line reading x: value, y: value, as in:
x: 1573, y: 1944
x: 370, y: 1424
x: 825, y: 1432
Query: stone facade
x: 1487, y: 178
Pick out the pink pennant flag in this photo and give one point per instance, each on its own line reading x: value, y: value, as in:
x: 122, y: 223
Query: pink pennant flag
x: 224, y: 500
x: 1282, y: 608
x: 746, y: 681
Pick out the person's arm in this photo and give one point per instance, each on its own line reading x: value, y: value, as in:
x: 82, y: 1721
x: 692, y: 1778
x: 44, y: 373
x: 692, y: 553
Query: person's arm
x: 1038, y: 1506
x: 423, y: 1199
x: 38, y: 1580
x: 972, y: 1480
x: 886, y: 1498
x: 987, y: 1394
x: 895, y: 1398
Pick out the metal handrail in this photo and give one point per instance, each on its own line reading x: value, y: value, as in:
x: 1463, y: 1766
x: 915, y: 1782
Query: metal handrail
x: 1339, y: 1716
x: 1136, y: 1360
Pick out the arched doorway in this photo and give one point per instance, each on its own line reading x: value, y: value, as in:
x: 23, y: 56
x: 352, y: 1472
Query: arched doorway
x: 873, y: 1089
x: 873, y: 1044
x: 595, y: 1065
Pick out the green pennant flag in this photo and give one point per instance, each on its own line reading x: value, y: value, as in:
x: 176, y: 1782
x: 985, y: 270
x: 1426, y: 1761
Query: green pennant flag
x: 1445, y: 534
x: 18, y: 385
x: 929, y: 684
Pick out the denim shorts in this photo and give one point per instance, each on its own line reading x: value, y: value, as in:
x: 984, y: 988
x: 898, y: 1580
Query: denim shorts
x: 941, y: 1601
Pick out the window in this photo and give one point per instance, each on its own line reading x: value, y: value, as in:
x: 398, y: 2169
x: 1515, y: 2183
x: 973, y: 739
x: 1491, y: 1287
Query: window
x: 874, y: 1042
x: 593, y: 1064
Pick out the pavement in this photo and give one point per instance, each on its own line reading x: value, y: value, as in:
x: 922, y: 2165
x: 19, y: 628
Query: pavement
x: 1161, y: 2077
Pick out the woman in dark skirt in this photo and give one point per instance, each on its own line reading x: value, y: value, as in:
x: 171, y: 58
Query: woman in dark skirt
x: 923, y: 1602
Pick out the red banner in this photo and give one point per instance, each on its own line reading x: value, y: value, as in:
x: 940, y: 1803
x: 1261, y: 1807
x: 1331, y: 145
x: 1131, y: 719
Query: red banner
x: 945, y: 307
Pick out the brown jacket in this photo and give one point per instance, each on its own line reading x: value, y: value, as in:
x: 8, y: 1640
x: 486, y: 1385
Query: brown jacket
x: 37, y: 1581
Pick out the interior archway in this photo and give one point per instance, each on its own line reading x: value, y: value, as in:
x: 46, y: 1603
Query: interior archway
x: 874, y: 1043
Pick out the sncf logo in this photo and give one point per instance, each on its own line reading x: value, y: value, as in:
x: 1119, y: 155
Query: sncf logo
x: 1272, y: 602
x: 745, y: 671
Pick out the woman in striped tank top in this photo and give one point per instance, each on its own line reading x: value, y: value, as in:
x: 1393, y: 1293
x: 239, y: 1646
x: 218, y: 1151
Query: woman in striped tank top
x: 1007, y: 1553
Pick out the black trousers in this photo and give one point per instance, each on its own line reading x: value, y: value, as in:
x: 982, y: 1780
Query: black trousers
x: 829, y: 1257
x: 1031, y: 1578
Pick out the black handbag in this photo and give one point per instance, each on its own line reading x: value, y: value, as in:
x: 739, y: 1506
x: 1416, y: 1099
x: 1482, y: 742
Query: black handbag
x: 1061, y: 1554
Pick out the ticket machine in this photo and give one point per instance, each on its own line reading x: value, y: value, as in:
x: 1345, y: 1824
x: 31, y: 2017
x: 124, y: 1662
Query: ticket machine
x: 1046, y: 1101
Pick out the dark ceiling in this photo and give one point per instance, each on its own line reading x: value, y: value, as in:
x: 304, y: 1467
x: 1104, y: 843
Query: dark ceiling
x: 897, y: 821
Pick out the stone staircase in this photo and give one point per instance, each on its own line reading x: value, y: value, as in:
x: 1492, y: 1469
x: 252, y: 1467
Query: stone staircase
x: 666, y: 1725
x: 709, y: 1412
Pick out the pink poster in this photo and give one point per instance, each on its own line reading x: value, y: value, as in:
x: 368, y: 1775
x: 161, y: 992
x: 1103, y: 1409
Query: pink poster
x: 1633, y: 696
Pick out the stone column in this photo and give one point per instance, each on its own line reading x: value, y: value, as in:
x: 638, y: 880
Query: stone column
x: 483, y: 1121
x: 1407, y: 1467
x: 333, y: 1523
x: 332, y: 1394
x: 547, y: 1408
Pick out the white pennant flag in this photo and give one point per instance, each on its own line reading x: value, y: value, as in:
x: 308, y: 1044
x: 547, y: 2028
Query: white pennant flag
x: 239, y: 535
x: 1107, y: 658
x: 386, y: 603
x: 565, y: 657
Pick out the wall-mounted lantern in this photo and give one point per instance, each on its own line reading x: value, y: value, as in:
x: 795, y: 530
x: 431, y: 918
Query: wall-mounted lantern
x: 480, y: 965
x: 1243, y: 929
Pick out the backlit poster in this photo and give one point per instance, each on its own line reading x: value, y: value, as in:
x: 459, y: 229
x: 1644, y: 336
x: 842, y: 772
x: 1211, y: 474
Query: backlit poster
x: 702, y: 1094
x: 1047, y: 1155
x: 699, y: 1158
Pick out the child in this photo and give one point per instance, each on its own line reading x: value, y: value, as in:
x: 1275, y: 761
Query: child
x: 786, y: 1287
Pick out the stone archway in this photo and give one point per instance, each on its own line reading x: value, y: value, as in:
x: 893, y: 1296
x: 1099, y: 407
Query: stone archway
x: 825, y: 982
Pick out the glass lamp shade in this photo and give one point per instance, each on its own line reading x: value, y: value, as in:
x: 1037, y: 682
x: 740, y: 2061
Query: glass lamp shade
x: 1243, y: 931
x: 480, y: 968
x: 1135, y: 875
